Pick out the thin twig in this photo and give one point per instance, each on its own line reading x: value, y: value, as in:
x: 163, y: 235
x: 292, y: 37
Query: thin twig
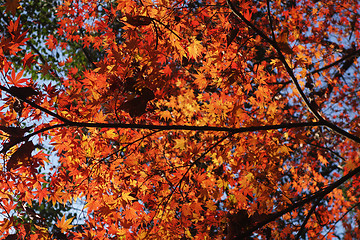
x: 166, y: 200
x: 311, y: 108
x: 270, y: 19
x: 347, y: 212
x: 319, y: 194
x: 351, y: 55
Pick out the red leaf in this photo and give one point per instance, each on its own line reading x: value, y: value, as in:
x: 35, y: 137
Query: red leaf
x: 51, y: 42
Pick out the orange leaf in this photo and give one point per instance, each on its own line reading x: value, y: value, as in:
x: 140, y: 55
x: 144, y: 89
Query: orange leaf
x: 64, y: 225
x: 322, y: 159
x: 16, y: 78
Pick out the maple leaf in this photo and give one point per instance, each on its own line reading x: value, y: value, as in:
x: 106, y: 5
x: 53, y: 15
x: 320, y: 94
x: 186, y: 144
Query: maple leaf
x: 42, y: 194
x: 64, y: 225
x: 166, y: 115
x: 130, y: 214
x: 167, y: 70
x: 195, y: 48
x: 180, y: 143
x: 322, y: 159
x: 211, y: 205
x: 186, y: 210
x: 28, y: 60
x: 248, y: 15
x: 126, y: 196
x: 200, y: 80
x: 16, y: 79
x: 51, y: 42
x: 228, y: 140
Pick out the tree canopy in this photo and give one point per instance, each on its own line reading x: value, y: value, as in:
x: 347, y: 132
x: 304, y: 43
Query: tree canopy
x: 173, y: 119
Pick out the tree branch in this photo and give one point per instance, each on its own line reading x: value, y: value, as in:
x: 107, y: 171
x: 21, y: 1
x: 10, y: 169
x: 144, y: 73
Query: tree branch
x: 319, y: 194
x: 274, y: 44
x: 351, y: 55
x: 163, y: 127
x: 347, y: 212
x: 311, y: 108
x: 195, y: 128
x: 37, y: 106
x: 312, y: 210
x: 270, y: 19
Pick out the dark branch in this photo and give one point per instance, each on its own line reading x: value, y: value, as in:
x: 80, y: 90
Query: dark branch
x: 311, y: 108
x: 312, y: 210
x: 274, y: 44
x: 349, y: 56
x: 270, y: 19
x: 347, y: 212
x: 319, y: 194
x: 195, y: 128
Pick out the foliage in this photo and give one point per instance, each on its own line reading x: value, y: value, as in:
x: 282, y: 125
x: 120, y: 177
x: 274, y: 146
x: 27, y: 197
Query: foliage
x: 180, y: 119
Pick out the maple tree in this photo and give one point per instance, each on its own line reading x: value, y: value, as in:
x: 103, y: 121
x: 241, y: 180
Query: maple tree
x: 180, y: 119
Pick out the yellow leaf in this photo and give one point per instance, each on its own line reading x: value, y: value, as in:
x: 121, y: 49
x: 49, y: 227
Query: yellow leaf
x: 126, y: 197
x: 111, y: 134
x: 110, y: 68
x: 249, y: 177
x: 42, y: 230
x: 195, y: 48
x: 180, y: 143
